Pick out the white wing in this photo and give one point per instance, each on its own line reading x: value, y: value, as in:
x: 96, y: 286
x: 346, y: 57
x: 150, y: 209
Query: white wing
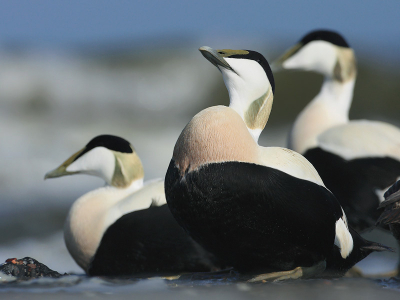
x: 361, y: 139
x: 152, y: 193
x: 343, y: 238
x: 290, y: 162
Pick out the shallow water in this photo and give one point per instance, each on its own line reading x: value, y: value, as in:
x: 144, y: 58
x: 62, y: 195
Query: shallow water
x: 194, y: 287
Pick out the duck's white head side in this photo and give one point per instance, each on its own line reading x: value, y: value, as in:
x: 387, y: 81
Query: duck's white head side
x: 322, y: 51
x: 114, y: 160
x: 325, y: 52
x: 106, y: 156
x: 250, y: 84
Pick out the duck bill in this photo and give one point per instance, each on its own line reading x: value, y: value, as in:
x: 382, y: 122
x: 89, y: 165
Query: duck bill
x: 215, y: 58
x: 62, y: 169
x: 277, y: 65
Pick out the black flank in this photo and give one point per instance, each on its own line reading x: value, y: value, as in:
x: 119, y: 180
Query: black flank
x: 148, y: 241
x: 253, y: 217
x: 354, y: 182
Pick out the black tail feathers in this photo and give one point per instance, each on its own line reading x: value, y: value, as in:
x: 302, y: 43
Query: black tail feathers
x: 372, y: 246
x: 392, y: 195
x: 393, y: 189
x: 389, y: 216
x: 367, y: 246
x: 391, y: 204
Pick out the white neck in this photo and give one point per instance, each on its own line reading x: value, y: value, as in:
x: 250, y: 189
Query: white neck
x: 135, y: 185
x: 236, y: 101
x: 240, y: 103
x: 247, y: 84
x: 255, y: 133
x: 328, y: 109
x: 338, y: 94
x: 236, y: 106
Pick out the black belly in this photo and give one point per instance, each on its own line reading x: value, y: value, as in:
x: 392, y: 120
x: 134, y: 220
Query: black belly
x: 354, y: 183
x: 253, y: 217
x: 151, y: 242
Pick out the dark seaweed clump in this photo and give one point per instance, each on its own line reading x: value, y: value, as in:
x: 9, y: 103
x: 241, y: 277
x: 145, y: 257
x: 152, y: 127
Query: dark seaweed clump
x: 28, y: 268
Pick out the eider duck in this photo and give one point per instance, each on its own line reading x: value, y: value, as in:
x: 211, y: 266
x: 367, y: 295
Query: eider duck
x: 124, y: 228
x: 357, y: 160
x: 257, y: 209
x: 391, y: 215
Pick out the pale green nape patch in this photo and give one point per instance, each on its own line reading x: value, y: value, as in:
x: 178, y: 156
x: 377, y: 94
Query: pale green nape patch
x: 345, y: 68
x: 229, y: 52
x: 128, y: 168
x: 256, y: 116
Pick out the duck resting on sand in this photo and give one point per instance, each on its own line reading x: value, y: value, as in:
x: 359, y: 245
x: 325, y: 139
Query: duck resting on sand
x: 125, y: 228
x: 258, y: 209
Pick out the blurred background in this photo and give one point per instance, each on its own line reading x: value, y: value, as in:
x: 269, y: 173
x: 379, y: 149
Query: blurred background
x: 71, y: 70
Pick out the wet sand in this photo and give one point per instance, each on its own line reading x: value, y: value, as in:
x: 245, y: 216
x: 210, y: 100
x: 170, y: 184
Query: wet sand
x: 188, y: 288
